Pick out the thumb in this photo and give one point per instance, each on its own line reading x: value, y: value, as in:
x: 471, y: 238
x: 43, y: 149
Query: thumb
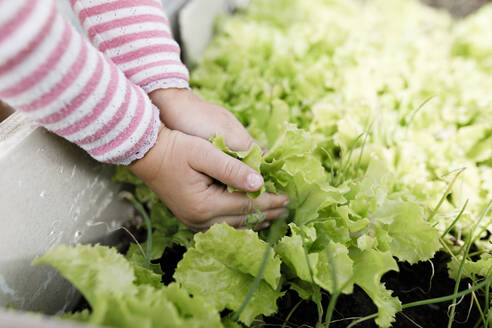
x: 228, y: 170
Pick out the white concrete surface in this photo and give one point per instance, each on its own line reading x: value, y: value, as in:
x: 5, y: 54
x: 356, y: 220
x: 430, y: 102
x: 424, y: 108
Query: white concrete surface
x: 51, y: 193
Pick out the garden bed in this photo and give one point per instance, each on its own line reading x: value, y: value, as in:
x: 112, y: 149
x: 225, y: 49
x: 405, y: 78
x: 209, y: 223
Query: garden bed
x: 377, y: 118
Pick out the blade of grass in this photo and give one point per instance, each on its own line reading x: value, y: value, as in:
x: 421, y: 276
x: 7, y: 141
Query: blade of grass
x: 148, y: 225
x: 368, y: 317
x: 255, y: 284
x: 448, y: 297
x: 316, y: 289
x: 468, y: 243
x: 336, y: 293
x: 291, y: 312
x: 415, y: 111
x: 434, y: 211
x: 332, y: 164
x: 345, y: 167
x: 274, y: 232
x: 364, y: 141
x: 366, y: 135
x: 482, y: 315
x: 477, y: 324
x: 451, y: 226
x: 488, y: 303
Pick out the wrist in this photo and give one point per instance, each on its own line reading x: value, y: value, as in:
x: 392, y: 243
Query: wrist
x: 147, y: 167
x: 173, y: 104
x: 169, y: 95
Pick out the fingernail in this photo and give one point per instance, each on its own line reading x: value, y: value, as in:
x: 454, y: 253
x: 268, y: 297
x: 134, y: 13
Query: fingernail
x: 287, y: 202
x: 255, y: 181
x: 284, y: 215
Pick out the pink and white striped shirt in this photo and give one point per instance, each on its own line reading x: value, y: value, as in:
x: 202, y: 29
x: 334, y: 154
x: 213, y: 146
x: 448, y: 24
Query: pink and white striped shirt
x: 135, y: 35
x: 49, y: 72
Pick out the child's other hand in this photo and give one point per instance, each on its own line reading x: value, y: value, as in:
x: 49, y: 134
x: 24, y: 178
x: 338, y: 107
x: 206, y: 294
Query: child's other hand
x: 182, y: 170
x: 184, y: 111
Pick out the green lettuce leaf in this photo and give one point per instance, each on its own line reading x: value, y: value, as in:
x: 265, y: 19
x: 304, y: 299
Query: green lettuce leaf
x: 482, y: 267
x: 330, y: 267
x: 149, y: 307
x: 122, y: 295
x: 252, y: 158
x: 94, y: 270
x: 335, y: 269
x: 293, y: 250
x: 369, y: 267
x: 412, y: 238
x: 222, y: 267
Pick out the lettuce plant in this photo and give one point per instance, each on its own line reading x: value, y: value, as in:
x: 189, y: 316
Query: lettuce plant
x: 376, y: 116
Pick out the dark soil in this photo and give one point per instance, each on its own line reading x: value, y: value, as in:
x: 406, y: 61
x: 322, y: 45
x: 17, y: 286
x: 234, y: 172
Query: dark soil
x: 169, y: 261
x: 412, y: 283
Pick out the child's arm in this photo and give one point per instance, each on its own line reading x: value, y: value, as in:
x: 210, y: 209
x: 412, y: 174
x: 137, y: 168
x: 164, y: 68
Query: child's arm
x: 135, y: 35
x: 49, y: 72
x: 59, y: 80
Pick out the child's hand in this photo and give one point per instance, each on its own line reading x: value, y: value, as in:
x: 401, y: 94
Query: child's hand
x: 179, y: 169
x: 184, y: 111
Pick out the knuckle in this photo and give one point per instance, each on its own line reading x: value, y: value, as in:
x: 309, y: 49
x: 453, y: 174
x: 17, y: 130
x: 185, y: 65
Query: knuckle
x: 230, y: 169
x: 277, y: 200
x: 248, y: 206
x: 274, y: 201
x: 242, y: 220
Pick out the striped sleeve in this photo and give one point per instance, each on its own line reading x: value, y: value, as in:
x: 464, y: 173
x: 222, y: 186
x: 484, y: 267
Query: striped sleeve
x: 135, y: 35
x: 49, y: 72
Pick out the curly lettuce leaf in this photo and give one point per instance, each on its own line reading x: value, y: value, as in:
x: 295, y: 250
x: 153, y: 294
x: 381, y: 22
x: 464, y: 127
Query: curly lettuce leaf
x: 136, y: 256
x: 251, y: 157
x: 149, y: 307
x: 293, y: 252
x: 330, y: 267
x: 335, y: 269
x: 412, y: 238
x: 147, y: 277
x: 369, y: 267
x: 482, y: 267
x: 222, y: 267
x: 122, y: 295
x: 94, y: 270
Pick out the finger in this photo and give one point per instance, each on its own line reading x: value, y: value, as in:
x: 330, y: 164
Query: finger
x: 225, y: 203
x: 238, y: 138
x: 242, y: 220
x: 243, y: 143
x: 228, y: 170
x: 235, y: 134
x: 263, y: 225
